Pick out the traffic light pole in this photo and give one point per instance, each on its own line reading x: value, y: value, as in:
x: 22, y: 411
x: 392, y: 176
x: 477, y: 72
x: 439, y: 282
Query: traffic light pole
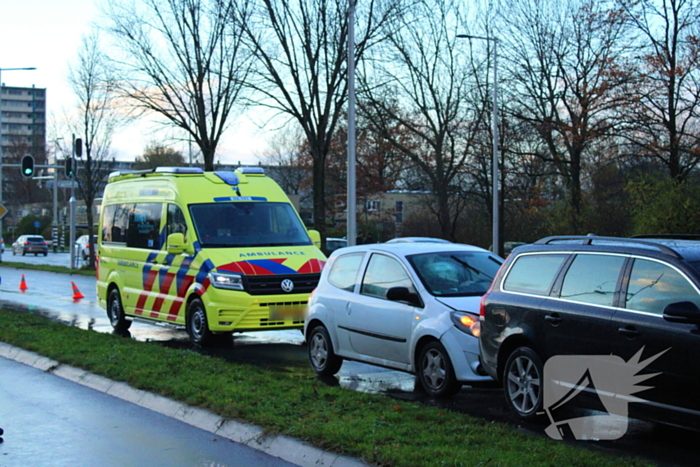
x: 72, y: 206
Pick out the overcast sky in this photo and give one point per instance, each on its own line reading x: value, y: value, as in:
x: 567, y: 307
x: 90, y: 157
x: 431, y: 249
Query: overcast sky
x: 46, y: 34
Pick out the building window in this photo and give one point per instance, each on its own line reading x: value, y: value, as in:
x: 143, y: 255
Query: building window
x: 372, y: 205
x: 398, y: 212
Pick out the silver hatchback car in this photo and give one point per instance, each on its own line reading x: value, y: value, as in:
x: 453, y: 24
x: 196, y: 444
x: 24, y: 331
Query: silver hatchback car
x: 412, y: 307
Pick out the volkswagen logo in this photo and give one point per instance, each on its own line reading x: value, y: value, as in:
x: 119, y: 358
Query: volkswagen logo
x: 287, y: 285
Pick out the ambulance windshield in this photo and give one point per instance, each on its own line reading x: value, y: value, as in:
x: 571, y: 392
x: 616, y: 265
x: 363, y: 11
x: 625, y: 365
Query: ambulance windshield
x: 247, y: 224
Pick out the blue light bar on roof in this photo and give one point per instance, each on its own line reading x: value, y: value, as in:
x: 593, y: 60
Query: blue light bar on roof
x: 252, y: 170
x: 178, y: 170
x: 229, y: 178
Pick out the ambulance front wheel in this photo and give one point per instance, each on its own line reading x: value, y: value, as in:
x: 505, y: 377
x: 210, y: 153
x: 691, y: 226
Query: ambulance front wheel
x: 197, y: 326
x: 115, y: 311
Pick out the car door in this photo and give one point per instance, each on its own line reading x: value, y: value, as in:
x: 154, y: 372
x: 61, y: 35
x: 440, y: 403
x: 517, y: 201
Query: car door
x: 577, y: 322
x: 377, y: 327
x: 670, y: 349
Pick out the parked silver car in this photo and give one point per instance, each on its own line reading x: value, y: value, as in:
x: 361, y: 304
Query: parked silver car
x: 413, y: 307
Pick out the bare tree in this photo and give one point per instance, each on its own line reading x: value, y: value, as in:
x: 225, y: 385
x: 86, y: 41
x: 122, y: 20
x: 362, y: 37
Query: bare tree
x: 300, y: 47
x: 184, y: 61
x: 97, y: 117
x: 667, y: 112
x: 568, y: 78
x: 420, y: 95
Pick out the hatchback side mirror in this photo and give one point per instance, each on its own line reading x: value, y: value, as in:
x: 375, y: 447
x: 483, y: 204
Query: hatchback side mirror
x: 402, y: 294
x: 682, y: 312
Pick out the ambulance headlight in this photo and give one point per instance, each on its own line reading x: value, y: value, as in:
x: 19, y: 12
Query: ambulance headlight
x: 226, y: 280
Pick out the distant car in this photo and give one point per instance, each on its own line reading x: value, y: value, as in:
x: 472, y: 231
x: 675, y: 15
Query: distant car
x: 412, y: 307
x: 30, y: 244
x: 333, y: 244
x: 417, y: 240
x: 82, y: 246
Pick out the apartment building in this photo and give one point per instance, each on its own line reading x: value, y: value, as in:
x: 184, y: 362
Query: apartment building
x: 23, y: 122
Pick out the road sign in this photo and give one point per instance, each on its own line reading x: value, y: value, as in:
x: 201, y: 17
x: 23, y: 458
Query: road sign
x: 3, y: 211
x: 62, y: 184
x: 37, y: 224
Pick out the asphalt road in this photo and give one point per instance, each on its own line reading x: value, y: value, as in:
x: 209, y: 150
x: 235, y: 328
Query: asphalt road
x: 50, y: 421
x: 51, y: 294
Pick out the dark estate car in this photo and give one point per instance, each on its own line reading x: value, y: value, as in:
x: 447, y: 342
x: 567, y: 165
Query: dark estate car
x: 30, y: 244
x: 618, y: 318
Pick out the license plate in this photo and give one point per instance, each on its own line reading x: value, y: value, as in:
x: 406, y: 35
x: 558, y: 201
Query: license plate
x: 295, y: 312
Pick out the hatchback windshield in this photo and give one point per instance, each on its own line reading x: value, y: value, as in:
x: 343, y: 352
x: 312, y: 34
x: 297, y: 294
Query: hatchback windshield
x: 243, y: 224
x: 456, y: 273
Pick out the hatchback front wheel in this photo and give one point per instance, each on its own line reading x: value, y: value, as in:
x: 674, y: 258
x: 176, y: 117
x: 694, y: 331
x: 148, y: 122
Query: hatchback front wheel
x: 435, y: 371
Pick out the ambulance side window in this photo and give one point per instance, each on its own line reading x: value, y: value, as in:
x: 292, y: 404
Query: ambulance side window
x: 115, y: 222
x: 144, y: 226
x: 176, y: 221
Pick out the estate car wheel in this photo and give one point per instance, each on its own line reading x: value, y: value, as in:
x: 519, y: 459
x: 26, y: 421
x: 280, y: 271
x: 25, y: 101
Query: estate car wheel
x: 323, y: 359
x: 197, y: 326
x: 435, y: 372
x: 523, y: 383
x: 115, y: 312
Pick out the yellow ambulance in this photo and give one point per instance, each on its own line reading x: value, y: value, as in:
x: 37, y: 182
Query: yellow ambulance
x: 215, y: 252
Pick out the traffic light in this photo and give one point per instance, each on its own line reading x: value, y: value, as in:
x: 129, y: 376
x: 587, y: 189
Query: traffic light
x: 28, y: 166
x: 78, y: 147
x: 69, y: 167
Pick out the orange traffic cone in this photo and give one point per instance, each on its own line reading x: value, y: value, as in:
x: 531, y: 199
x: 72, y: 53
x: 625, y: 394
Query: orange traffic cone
x: 23, y: 284
x: 76, y: 293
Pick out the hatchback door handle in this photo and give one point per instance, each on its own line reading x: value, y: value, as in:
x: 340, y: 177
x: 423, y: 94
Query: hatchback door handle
x: 553, y: 319
x: 630, y: 332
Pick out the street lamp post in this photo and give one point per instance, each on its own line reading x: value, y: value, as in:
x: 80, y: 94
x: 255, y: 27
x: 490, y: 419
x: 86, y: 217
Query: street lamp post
x: 351, y: 217
x: 496, y: 240
x: 1, y: 138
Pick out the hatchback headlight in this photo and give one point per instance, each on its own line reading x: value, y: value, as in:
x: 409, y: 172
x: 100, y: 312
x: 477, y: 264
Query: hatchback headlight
x: 226, y: 280
x: 466, y: 322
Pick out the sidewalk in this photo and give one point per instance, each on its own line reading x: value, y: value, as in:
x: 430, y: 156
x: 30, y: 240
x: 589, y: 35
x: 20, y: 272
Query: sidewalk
x: 282, y: 447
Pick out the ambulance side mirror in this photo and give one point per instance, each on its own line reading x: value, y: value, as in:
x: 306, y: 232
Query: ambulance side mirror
x: 176, y: 243
x: 316, y: 238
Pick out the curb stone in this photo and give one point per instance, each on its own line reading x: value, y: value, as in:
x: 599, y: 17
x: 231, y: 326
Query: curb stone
x: 283, y: 447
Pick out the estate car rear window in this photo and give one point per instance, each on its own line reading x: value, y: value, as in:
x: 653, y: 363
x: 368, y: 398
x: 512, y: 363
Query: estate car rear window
x: 534, y: 273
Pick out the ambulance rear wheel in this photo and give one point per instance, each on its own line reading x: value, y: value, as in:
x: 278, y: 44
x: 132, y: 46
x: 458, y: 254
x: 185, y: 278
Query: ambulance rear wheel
x: 197, y: 326
x: 115, y: 312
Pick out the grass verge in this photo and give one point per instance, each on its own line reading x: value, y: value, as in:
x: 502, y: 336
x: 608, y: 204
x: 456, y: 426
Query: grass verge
x: 377, y: 429
x: 84, y: 271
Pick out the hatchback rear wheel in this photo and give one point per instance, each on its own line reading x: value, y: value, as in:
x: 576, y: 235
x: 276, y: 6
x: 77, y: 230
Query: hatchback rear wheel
x: 523, y: 383
x: 323, y: 359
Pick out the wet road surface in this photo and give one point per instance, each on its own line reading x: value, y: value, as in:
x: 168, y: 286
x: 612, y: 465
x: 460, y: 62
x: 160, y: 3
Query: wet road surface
x: 50, y: 421
x: 50, y: 294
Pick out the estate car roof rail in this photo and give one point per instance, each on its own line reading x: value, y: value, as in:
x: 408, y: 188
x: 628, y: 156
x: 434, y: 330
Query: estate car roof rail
x: 589, y: 239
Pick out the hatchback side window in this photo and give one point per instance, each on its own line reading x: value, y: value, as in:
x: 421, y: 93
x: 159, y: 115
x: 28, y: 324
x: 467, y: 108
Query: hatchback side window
x: 343, y: 273
x: 382, y: 274
x: 534, y: 273
x: 592, y: 279
x: 654, y: 285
